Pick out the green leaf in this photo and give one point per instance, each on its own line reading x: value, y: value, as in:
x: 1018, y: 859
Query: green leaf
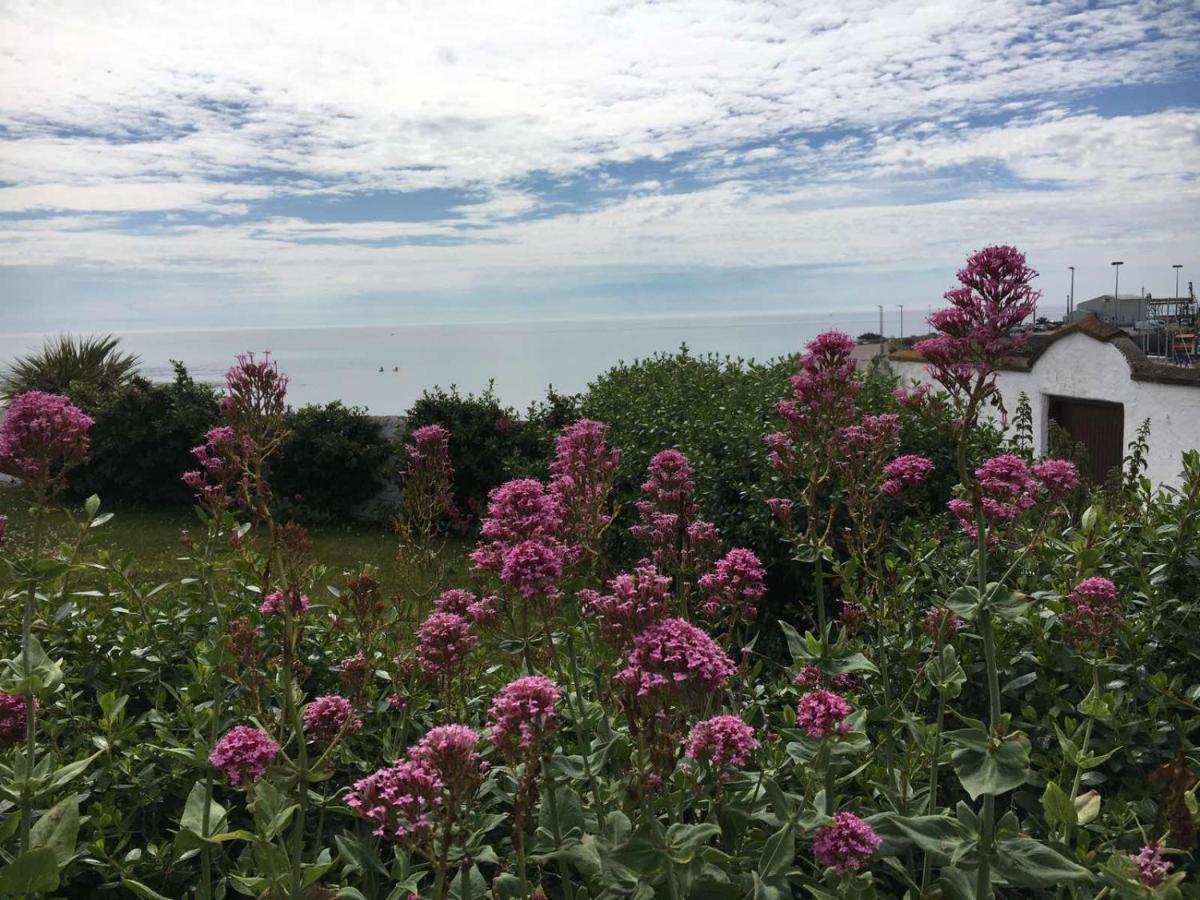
x: 778, y: 852
x: 994, y: 767
x: 794, y: 641
x: 92, y: 505
x: 69, y: 773
x: 141, y: 890
x: 1087, y: 807
x: 1096, y: 705
x: 684, y: 842
x: 946, y: 674
x: 58, y: 829
x: 964, y: 603
x: 33, y: 872
x: 1057, y: 806
x: 1025, y: 862
x: 943, y: 837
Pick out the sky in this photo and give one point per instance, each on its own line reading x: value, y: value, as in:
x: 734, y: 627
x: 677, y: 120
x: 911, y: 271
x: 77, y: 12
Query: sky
x: 220, y: 165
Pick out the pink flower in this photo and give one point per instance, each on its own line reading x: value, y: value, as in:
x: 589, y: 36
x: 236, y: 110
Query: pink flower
x: 637, y: 600
x: 427, y: 491
x: 444, y: 642
x: 735, y: 584
x: 326, y: 717
x: 781, y: 509
x: 523, y: 716
x: 853, y: 615
x: 1152, y: 869
x: 533, y: 569
x: 401, y: 799
x: 520, y: 513
x: 1007, y: 489
x: 808, y: 677
x: 1093, y: 611
x: 220, y: 458
x: 243, y: 754
x: 672, y: 657
x: 824, y: 392
x: 723, y: 742
x: 976, y: 331
x: 912, y: 399
x: 42, y: 437
x: 12, y: 717
x: 822, y: 714
x: 274, y: 603
x: 255, y: 397
x: 941, y: 623
x: 906, y: 471
x: 449, y: 751
x: 465, y: 604
x: 581, y: 478
x: 846, y: 845
x: 1058, y: 476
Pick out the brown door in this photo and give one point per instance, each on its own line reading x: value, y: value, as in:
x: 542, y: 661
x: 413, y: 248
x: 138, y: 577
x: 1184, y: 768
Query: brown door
x: 1097, y: 425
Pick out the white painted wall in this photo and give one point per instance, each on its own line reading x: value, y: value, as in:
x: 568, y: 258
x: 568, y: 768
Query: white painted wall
x: 1080, y: 366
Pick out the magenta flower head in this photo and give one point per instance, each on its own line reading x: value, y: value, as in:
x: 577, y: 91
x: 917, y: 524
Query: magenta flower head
x: 1093, y: 612
x: 430, y: 447
x: 581, y: 478
x: 523, y: 716
x: 12, y: 718
x: 400, y: 799
x: 533, y: 569
x: 444, y: 641
x: 42, y: 438
x: 822, y: 714
x: 1007, y: 489
x: 481, y: 611
x: 903, y: 472
x: 637, y: 600
x: 255, y: 397
x: 243, y: 754
x: 291, y: 600
x: 673, y: 658
x: 735, y: 585
x: 449, y: 751
x: 976, y: 331
x: 824, y: 390
x: 941, y: 623
x: 220, y: 459
x: 519, y: 512
x: 1058, y: 476
x: 845, y: 845
x: 1152, y: 869
x: 723, y: 742
x: 326, y: 717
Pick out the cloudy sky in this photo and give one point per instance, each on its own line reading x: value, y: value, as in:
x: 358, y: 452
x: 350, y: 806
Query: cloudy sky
x: 217, y: 164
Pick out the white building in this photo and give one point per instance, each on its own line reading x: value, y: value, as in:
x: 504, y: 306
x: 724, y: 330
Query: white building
x: 1093, y: 381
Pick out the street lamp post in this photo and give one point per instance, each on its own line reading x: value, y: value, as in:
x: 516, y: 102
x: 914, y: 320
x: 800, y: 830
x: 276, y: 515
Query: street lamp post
x: 901, y: 305
x: 1177, y: 267
x: 882, y: 351
x: 1071, y: 300
x: 1117, y: 263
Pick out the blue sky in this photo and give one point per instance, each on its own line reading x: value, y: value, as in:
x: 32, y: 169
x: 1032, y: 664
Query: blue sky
x: 228, y: 164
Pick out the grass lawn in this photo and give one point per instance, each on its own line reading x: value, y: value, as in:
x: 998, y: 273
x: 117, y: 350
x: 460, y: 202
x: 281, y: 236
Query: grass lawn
x: 152, y: 535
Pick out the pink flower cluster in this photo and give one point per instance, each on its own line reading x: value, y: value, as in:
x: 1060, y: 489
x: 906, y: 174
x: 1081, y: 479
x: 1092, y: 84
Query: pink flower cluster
x: 941, y: 623
x: 220, y: 458
x: 523, y: 716
x: 480, y: 610
x: 1058, y: 476
x: 42, y: 437
x: 914, y: 398
x: 1093, y: 612
x: 908, y: 471
x: 822, y: 714
x: 581, y: 477
x: 449, y: 750
x: 291, y: 600
x: 672, y: 657
x: 522, y: 529
x: 1152, y: 869
x: 735, y: 585
x: 444, y: 641
x: 667, y: 509
x: 637, y: 600
x: 845, y: 845
x: 977, y: 330
x: 255, y: 396
x: 12, y: 717
x: 429, y: 477
x: 1008, y: 487
x: 723, y: 742
x: 243, y: 754
x: 326, y: 717
x: 824, y: 389
x: 400, y: 799
x: 812, y: 677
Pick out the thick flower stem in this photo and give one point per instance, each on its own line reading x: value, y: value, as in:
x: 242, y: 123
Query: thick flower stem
x: 934, y: 766
x: 987, y: 821
x: 39, y: 530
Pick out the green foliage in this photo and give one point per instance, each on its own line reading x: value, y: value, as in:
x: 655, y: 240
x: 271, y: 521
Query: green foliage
x: 143, y: 437
x: 490, y: 443
x: 67, y: 364
x: 333, y: 460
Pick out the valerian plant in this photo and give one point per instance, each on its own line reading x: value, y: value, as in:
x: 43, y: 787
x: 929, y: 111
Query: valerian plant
x: 1000, y: 700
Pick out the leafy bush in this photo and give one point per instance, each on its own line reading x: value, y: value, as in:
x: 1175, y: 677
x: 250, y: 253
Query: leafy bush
x: 143, y: 437
x: 333, y: 460
x: 490, y: 443
x: 67, y: 364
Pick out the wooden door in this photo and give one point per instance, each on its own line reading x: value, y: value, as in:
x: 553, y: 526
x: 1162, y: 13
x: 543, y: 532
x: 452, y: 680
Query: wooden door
x: 1097, y: 425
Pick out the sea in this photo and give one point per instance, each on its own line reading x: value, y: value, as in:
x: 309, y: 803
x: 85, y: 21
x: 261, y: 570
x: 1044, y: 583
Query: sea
x: 384, y: 368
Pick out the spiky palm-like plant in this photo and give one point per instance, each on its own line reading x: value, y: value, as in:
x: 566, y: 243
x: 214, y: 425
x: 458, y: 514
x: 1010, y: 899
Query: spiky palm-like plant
x: 94, y: 362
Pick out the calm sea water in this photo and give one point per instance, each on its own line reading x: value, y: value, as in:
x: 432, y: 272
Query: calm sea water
x: 524, y: 358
